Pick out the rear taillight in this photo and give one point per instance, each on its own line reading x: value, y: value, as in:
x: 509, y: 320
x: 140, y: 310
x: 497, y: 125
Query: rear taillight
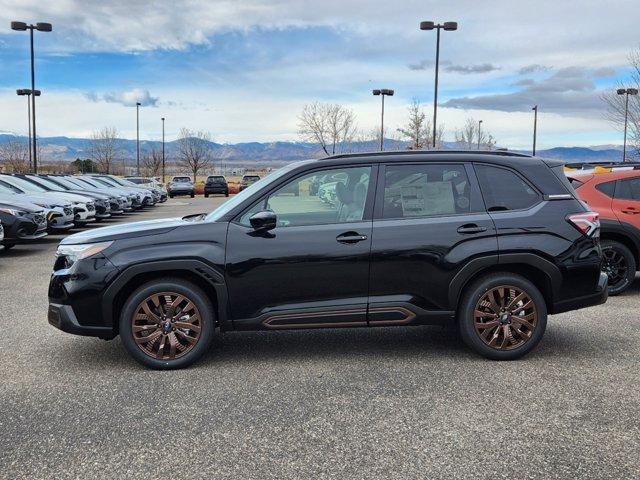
x: 587, y: 222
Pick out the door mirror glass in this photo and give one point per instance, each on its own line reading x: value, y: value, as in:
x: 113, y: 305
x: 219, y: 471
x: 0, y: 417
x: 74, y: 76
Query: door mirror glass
x: 264, y: 220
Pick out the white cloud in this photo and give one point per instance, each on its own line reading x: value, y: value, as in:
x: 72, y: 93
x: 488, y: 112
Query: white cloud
x: 127, y: 98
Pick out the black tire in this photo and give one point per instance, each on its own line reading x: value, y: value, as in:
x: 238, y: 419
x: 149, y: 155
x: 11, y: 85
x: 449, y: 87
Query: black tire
x: 466, y: 320
x: 193, y: 194
x: 181, y: 287
x: 622, y: 273
x: 226, y: 193
x: 170, y: 196
x: 206, y: 195
x: 8, y: 246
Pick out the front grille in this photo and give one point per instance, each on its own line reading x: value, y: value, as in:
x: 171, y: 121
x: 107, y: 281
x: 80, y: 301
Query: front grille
x: 90, y: 207
x: 67, y: 211
x: 39, y: 218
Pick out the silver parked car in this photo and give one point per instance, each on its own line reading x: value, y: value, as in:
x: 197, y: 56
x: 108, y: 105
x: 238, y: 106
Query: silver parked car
x: 181, y: 185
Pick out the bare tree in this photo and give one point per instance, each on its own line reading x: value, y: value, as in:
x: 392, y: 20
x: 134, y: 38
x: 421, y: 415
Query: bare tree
x: 15, y: 155
x: 331, y: 126
x: 152, y: 163
x: 103, y: 148
x: 194, y: 152
x: 418, y: 130
x: 467, y: 136
x: 616, y: 104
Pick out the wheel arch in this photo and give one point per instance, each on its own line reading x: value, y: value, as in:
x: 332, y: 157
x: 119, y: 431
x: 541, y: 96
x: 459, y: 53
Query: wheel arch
x: 542, y: 273
x: 622, y: 233
x: 194, y: 271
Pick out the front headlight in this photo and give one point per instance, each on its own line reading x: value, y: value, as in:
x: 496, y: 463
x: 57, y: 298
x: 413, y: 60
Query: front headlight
x: 73, y: 253
x: 13, y: 211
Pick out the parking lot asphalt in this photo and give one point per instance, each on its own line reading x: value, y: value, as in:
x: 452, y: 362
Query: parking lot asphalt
x: 353, y: 403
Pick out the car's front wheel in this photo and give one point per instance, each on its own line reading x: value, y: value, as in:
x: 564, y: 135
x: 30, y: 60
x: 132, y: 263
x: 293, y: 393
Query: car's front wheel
x: 167, y: 324
x: 619, y: 264
x: 502, y: 316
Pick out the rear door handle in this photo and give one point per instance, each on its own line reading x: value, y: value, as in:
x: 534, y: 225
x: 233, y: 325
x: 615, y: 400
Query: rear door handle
x: 630, y: 210
x: 351, y: 237
x: 471, y: 228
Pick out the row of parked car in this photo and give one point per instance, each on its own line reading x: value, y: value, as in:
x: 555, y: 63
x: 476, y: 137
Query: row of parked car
x: 215, y: 184
x: 32, y: 206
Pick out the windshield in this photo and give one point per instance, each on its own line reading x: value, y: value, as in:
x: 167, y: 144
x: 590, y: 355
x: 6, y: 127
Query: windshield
x: 247, y: 192
x: 105, y: 181
x: 7, y: 188
x: 46, y: 182
x: 181, y: 179
x: 78, y: 183
x: 22, y: 184
x: 65, y: 183
x: 122, y: 181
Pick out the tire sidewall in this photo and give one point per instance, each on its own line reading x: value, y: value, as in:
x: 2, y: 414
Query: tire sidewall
x: 466, y: 320
x: 631, y: 264
x: 196, y: 295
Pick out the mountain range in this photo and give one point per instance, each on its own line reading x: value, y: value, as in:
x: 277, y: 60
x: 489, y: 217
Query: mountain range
x: 68, y: 149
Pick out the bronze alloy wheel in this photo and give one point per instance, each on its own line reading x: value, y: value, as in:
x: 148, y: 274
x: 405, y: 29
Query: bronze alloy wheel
x: 166, y: 325
x: 505, y: 317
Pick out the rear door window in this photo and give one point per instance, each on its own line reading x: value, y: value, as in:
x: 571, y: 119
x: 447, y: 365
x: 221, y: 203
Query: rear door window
x: 504, y: 189
x: 421, y: 190
x: 607, y: 188
x: 628, y: 189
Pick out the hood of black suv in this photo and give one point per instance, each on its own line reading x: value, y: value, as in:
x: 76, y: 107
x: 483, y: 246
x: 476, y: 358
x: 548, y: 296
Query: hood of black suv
x: 129, y: 230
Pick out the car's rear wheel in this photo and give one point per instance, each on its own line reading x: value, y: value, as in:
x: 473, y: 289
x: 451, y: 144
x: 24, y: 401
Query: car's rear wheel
x: 167, y: 324
x: 502, y: 316
x: 193, y: 194
x: 619, y: 264
x: 226, y: 193
x: 8, y: 246
x: 206, y: 195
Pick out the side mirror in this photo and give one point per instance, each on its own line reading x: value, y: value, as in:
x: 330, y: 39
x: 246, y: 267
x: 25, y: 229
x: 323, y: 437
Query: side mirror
x: 265, y: 220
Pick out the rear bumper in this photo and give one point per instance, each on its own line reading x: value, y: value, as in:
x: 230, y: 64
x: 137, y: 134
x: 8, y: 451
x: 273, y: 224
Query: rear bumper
x: 215, y: 189
x: 64, y: 318
x: 598, y: 297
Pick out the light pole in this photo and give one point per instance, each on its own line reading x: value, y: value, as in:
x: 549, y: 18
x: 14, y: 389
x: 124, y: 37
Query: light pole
x: 138, y: 138
x: 626, y: 92
x: 162, y: 149
x: 27, y: 92
x: 479, y: 131
x: 535, y: 127
x: 449, y: 26
x: 383, y: 92
x: 41, y: 27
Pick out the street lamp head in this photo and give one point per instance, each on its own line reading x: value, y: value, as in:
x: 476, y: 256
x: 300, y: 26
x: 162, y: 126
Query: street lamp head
x: 632, y: 91
x: 427, y: 25
x: 37, y: 93
x: 18, y: 26
x: 376, y: 92
x: 386, y: 91
x: 621, y: 91
x: 450, y: 25
x: 23, y: 91
x: 480, y: 121
x: 44, y: 27
x: 162, y: 119
x: 138, y: 104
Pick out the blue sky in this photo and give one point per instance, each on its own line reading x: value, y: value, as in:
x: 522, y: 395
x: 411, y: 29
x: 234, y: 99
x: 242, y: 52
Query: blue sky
x: 243, y: 70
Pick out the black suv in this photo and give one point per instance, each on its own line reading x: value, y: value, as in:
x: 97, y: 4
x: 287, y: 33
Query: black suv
x: 216, y: 184
x: 247, y: 181
x: 491, y: 241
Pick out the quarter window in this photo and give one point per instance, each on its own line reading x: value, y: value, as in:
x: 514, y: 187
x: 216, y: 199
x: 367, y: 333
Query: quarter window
x: 607, y: 188
x: 502, y: 189
x: 425, y: 190
x: 321, y: 197
x: 628, y: 189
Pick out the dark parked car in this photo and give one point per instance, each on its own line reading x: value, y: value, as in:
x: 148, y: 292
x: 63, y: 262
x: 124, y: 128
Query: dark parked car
x: 22, y: 222
x: 247, y: 181
x: 492, y: 242
x: 216, y: 184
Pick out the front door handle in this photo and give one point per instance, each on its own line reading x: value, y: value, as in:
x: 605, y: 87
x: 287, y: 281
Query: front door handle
x: 471, y: 228
x: 351, y: 237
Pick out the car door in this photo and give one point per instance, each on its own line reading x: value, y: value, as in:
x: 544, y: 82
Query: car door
x: 429, y: 221
x: 626, y: 201
x: 312, y: 270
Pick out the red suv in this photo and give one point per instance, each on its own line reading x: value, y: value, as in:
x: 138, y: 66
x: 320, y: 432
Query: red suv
x: 615, y: 194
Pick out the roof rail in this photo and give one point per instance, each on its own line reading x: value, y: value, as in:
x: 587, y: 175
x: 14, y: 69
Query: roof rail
x: 502, y: 153
x: 589, y: 165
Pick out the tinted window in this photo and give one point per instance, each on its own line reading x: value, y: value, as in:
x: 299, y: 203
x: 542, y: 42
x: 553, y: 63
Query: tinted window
x: 607, y: 188
x: 321, y: 197
x: 628, y: 189
x: 576, y: 184
x: 503, y: 189
x: 181, y: 179
x: 424, y: 190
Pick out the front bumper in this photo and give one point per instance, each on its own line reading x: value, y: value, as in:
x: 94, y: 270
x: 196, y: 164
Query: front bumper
x: 64, y: 318
x: 598, y: 297
x: 57, y: 221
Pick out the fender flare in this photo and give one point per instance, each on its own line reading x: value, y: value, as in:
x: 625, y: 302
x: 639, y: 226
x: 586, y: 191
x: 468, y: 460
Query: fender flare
x: 477, y: 265
x: 201, y: 269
